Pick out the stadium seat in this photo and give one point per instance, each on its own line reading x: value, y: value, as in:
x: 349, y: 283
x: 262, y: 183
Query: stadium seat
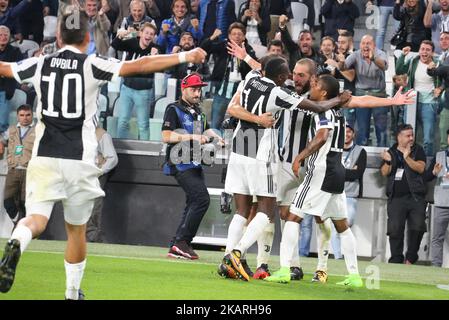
x: 28, y: 47
x: 50, y: 23
x: 161, y: 105
x: 206, y: 106
x: 172, y: 85
x: 160, y: 84
x: 19, y: 98
x: 261, y: 51
x: 300, y: 12
x: 12, y: 118
x: 155, y: 129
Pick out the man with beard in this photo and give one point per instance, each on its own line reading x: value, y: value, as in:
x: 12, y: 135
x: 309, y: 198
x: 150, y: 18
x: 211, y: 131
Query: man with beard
x: 186, y: 43
x: 136, y: 91
x: 303, y: 49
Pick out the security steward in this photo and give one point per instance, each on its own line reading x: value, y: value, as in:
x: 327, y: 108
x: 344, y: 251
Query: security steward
x: 188, y: 136
x: 20, y: 140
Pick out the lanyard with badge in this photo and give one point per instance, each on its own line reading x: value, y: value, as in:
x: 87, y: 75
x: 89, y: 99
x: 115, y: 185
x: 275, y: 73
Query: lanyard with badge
x: 19, y: 148
x: 400, y: 168
x: 345, y: 162
x: 445, y: 180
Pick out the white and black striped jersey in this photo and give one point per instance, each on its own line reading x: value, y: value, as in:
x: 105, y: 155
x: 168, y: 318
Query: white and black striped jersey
x: 293, y: 126
x: 67, y: 86
x: 258, y: 96
x: 326, y: 162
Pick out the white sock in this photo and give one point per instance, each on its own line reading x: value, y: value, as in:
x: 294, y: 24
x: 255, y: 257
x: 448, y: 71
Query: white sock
x: 24, y: 235
x: 295, y: 258
x: 323, y: 236
x: 253, y: 232
x: 349, y: 251
x: 264, y: 244
x: 74, y: 274
x: 235, y: 232
x: 289, y: 241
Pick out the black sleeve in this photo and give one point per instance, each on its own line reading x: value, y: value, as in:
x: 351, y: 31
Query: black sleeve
x: 123, y: 45
x: 428, y: 175
x: 286, y: 38
x: 420, y: 155
x: 357, y: 174
x: 171, y: 120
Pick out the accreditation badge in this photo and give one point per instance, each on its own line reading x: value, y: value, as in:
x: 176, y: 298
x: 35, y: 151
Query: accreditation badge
x: 19, y: 150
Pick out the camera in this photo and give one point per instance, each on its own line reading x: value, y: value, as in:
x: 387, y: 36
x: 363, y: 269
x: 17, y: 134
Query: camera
x: 225, y: 203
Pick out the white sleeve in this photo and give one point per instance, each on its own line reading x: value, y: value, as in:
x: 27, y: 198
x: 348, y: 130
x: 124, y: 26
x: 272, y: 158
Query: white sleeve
x: 324, y: 121
x: 105, y: 69
x: 286, y: 99
x: 25, y: 70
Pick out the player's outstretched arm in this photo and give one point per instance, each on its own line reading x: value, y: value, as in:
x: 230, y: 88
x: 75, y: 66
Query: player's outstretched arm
x: 323, y: 106
x: 151, y: 64
x: 6, y: 70
x: 374, y: 102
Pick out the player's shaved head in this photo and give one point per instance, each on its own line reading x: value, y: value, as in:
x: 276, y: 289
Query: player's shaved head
x: 276, y: 68
x: 73, y: 27
x: 330, y: 85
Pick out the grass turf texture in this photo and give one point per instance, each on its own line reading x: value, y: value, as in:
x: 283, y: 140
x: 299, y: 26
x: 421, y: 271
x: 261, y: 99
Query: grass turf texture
x: 136, y: 272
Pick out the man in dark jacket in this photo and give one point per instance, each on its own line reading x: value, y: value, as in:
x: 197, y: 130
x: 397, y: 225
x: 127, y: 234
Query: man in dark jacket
x: 228, y: 70
x: 403, y: 164
x: 340, y: 15
x: 8, y: 53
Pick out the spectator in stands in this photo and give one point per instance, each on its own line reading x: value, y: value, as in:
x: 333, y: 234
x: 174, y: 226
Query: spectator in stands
x: 20, y: 140
x: 164, y: 8
x: 443, y: 73
x: 340, y: 16
x: 369, y: 64
x: 216, y: 14
x: 385, y: 11
x: 137, y: 18
x: 186, y: 114
x: 354, y: 160
x: 302, y: 49
x: 50, y: 7
x: 404, y: 164
x: 439, y: 170
x: 32, y: 21
x: 438, y: 22
x: 228, y: 70
x: 179, y: 72
x: 106, y: 160
x: 194, y: 5
x: 151, y: 9
x: 411, y: 17
x: 275, y: 47
x: 344, y: 49
x: 256, y: 18
x: 9, y: 16
x: 99, y: 26
x: 8, y: 53
x: 136, y: 91
x: 398, y: 112
x: 427, y: 87
x: 277, y: 8
x: 326, y: 54
x: 444, y: 47
x: 180, y: 22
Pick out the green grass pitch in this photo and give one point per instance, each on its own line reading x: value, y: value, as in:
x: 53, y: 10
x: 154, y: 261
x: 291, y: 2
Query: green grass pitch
x: 122, y: 272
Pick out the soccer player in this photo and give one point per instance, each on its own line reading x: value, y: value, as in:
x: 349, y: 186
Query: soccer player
x: 251, y: 169
x: 321, y: 193
x: 63, y: 161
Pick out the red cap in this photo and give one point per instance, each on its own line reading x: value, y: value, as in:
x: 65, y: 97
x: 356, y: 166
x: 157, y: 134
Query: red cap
x: 192, y: 80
